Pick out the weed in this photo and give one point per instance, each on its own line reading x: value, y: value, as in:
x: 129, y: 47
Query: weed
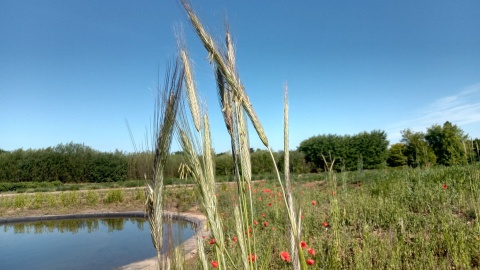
x: 114, y: 195
x: 92, y: 198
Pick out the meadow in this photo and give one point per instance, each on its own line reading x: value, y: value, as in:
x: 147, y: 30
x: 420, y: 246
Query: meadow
x: 380, y: 219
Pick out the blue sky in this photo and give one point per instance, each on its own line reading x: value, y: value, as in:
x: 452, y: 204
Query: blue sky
x: 76, y: 70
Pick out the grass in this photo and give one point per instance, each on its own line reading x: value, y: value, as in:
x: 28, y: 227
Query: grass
x: 392, y: 219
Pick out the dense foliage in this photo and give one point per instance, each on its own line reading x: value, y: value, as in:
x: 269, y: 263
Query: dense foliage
x: 66, y: 163
x: 73, y: 163
x: 366, y: 150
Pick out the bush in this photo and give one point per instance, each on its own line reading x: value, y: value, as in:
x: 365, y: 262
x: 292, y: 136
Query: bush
x: 115, y: 195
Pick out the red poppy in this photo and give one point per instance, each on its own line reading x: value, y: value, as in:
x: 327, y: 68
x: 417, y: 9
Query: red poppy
x: 445, y: 186
x: 212, y: 241
x: 314, y: 202
x: 263, y: 214
x: 285, y: 256
x: 303, y: 244
x: 325, y: 224
x: 251, y: 257
x: 214, y: 264
x: 269, y: 204
x: 265, y: 224
x: 255, y: 222
x: 301, y: 216
x: 311, y: 251
x: 310, y: 261
x: 259, y: 198
x: 234, y: 239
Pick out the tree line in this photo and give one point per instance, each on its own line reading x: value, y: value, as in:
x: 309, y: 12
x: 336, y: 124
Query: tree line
x: 75, y: 163
x: 445, y: 145
x: 69, y: 163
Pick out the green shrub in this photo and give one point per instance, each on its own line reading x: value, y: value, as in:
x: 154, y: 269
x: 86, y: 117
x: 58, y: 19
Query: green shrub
x: 92, y: 197
x: 19, y: 201
x: 115, y: 195
x: 69, y: 198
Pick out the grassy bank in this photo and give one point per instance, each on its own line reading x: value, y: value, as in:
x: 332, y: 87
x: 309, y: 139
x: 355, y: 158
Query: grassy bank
x: 393, y: 219
x: 396, y: 219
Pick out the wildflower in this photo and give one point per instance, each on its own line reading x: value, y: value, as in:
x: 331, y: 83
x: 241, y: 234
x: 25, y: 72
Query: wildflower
x: 285, y: 256
x: 334, y: 193
x: 445, y: 186
x: 212, y: 241
x: 274, y: 229
x: 251, y: 257
x: 314, y: 202
x: 302, y: 216
x: 303, y: 244
x: 325, y: 224
x: 311, y: 251
x: 263, y: 214
x: 259, y: 198
x: 265, y: 224
x: 310, y: 261
x: 255, y: 222
x: 269, y: 204
x: 234, y: 239
x: 214, y: 264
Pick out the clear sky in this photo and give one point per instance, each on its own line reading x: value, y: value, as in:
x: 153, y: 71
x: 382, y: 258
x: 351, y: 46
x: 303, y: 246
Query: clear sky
x: 74, y: 71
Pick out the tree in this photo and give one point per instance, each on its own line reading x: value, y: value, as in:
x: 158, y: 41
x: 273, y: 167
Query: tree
x: 447, y: 142
x: 396, y: 155
x: 418, y: 152
x: 367, y: 150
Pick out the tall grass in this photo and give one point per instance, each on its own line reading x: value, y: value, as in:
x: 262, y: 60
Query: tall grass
x: 373, y: 221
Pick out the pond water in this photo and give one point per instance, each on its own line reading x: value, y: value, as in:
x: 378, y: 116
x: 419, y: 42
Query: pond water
x: 101, y: 243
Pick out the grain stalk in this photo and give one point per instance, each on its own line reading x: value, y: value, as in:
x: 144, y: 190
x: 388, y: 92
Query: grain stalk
x: 166, y: 108
x: 234, y: 101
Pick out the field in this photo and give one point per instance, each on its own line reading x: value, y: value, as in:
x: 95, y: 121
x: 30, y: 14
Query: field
x: 383, y: 219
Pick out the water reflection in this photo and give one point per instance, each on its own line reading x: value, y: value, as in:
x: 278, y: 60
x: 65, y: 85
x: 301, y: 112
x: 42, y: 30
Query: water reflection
x: 94, y: 243
x: 75, y: 225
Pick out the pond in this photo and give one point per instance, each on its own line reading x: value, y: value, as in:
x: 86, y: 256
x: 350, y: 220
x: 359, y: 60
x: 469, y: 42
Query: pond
x: 100, y: 243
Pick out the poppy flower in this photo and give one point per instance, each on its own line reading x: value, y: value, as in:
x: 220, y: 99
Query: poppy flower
x: 445, y: 186
x: 285, y: 256
x: 311, y: 251
x: 251, y: 257
x: 314, y: 202
x: 310, y: 261
x: 214, y: 264
x: 263, y: 214
x: 234, y: 239
x: 325, y: 224
x: 255, y: 222
x: 265, y: 223
x: 269, y: 204
x: 303, y: 244
x: 212, y: 241
x: 301, y: 216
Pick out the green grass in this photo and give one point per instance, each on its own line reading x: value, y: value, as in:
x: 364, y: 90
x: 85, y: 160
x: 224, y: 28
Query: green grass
x: 384, y: 219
